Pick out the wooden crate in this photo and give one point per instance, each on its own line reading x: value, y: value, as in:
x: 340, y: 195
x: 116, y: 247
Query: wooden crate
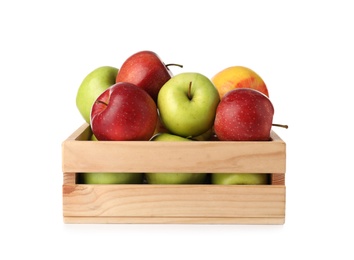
x: 147, y: 203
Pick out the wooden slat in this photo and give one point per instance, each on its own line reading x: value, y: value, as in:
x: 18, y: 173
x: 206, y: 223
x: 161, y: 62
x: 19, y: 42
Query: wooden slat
x: 258, y: 201
x: 278, y: 179
x: 174, y: 220
x: 69, y: 178
x: 198, y: 156
x: 83, y: 133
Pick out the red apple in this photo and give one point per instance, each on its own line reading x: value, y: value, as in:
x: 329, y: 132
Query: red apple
x: 146, y: 70
x: 123, y: 112
x: 244, y: 115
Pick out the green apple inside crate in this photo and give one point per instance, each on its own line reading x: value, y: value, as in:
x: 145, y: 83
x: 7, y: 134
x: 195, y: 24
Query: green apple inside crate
x: 149, y: 203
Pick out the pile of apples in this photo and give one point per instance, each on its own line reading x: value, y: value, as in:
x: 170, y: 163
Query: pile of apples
x: 144, y: 101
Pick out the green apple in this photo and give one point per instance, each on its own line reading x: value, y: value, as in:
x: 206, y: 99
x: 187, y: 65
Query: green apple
x: 109, y: 177
x: 92, y: 86
x: 240, y: 178
x: 169, y: 177
x: 168, y: 137
x: 187, y: 104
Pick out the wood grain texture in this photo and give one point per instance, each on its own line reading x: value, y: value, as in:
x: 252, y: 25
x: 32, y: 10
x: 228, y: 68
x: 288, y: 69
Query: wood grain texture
x: 197, y: 204
x: 174, y: 220
x: 278, y: 179
x: 193, y: 201
x: 143, y: 156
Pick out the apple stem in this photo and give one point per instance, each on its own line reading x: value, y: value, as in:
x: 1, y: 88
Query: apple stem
x: 189, y: 90
x: 279, y: 125
x: 174, y: 64
x: 101, y: 102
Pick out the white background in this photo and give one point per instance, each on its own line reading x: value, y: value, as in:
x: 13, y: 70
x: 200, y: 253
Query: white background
x: 302, y: 49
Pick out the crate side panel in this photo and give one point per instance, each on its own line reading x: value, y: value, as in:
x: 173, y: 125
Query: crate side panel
x: 227, y: 157
x: 173, y: 201
x: 79, y: 155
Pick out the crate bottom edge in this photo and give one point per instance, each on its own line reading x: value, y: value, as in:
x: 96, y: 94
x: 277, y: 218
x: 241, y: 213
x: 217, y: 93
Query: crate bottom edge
x: 175, y: 220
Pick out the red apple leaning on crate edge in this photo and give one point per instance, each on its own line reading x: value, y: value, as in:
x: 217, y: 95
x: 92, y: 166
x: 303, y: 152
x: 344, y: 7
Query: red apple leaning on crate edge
x: 146, y: 70
x: 124, y: 112
x: 187, y: 104
x: 244, y: 115
x: 92, y: 86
